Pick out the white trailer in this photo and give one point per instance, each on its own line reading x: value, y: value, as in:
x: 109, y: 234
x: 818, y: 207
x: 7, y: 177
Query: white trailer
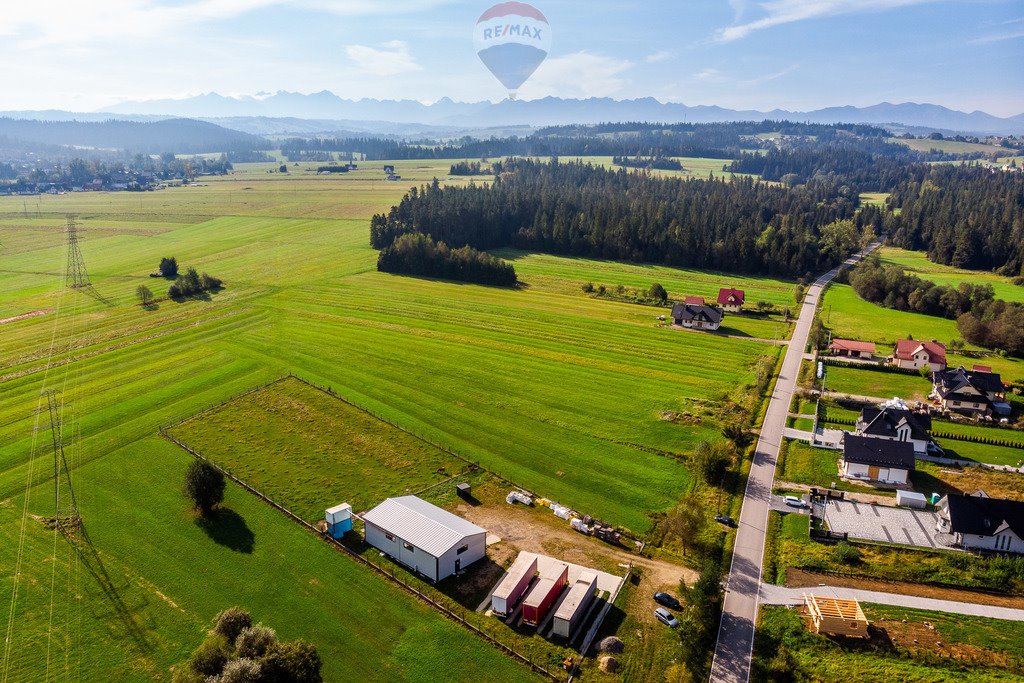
x: 572, y: 610
x: 511, y: 588
x: 911, y: 499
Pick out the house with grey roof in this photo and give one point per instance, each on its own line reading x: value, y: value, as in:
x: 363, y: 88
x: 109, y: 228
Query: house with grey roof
x: 697, y: 316
x: 876, y: 460
x: 978, y: 522
x: 896, y: 425
x: 427, y: 539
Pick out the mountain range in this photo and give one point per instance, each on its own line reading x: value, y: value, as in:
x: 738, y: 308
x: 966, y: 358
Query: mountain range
x: 446, y: 113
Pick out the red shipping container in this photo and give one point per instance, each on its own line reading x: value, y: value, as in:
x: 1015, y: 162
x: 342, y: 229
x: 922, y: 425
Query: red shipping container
x: 543, y: 596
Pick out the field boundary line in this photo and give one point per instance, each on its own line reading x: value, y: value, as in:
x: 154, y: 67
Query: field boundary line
x: 337, y: 545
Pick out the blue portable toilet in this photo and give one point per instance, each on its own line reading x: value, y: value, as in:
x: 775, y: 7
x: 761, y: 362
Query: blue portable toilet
x: 339, y: 520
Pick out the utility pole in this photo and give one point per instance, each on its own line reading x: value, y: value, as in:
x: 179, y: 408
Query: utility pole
x: 75, y: 275
x: 69, y: 515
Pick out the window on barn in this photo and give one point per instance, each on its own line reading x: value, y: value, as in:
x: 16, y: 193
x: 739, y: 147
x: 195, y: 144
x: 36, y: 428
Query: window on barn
x: 462, y: 549
x: 408, y: 546
x: 389, y: 536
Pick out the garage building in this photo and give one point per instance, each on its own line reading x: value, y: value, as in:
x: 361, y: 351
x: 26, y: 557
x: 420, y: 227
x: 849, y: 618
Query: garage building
x: 423, y: 537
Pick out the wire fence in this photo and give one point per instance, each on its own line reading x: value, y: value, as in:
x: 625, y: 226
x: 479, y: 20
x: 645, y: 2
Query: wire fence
x: 337, y: 545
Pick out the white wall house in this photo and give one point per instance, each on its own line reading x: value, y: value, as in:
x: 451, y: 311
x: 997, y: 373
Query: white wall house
x: 896, y: 425
x: 879, y: 461
x: 978, y: 522
x: 424, y: 537
x: 914, y: 355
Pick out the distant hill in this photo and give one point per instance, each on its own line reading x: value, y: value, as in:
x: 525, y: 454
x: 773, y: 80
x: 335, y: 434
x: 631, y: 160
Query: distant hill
x: 553, y: 111
x: 184, y: 136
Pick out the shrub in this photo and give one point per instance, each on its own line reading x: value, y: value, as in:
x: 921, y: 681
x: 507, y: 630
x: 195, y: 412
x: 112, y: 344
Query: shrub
x: 588, y: 287
x: 844, y: 553
x: 208, y: 282
x: 657, y: 292
x: 204, y: 485
x: 211, y: 656
x: 169, y: 267
x: 242, y: 670
x: 255, y: 641
x: 231, y: 622
x: 144, y: 294
x: 293, y: 662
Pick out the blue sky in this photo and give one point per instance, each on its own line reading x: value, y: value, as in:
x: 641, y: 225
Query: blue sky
x: 757, y: 54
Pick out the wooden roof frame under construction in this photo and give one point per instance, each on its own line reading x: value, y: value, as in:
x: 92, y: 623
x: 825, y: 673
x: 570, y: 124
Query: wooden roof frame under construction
x: 836, y: 616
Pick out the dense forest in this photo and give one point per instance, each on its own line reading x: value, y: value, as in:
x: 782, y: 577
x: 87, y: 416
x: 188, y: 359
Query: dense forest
x: 581, y: 209
x: 963, y: 216
x: 660, y: 163
x: 418, y: 254
x: 470, y: 168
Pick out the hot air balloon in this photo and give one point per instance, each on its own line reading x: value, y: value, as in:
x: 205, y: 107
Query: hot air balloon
x: 512, y: 39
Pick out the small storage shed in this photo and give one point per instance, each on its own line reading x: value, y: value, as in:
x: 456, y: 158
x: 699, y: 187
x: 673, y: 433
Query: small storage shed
x: 911, y: 499
x: 574, y: 608
x: 512, y: 587
x: 835, y: 617
x: 423, y: 537
x: 339, y: 520
x: 543, y: 596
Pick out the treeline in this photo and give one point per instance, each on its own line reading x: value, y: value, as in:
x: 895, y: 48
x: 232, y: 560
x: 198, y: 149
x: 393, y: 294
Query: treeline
x: 581, y: 209
x: 470, y: 168
x: 660, y: 163
x: 418, y: 254
x: 981, y: 319
x: 192, y: 283
x: 963, y: 216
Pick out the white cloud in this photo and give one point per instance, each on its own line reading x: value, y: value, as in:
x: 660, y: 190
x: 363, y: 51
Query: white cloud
x: 53, y: 22
x: 714, y: 76
x: 659, y: 56
x: 997, y: 37
x: 581, y: 74
x: 780, y: 12
x: 392, y: 60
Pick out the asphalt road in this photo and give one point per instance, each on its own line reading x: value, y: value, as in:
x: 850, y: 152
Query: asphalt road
x: 739, y: 615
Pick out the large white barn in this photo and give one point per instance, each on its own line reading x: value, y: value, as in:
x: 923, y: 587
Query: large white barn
x: 423, y: 537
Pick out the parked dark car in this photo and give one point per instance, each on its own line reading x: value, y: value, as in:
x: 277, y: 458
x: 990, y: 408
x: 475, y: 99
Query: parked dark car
x: 725, y: 519
x: 667, y: 600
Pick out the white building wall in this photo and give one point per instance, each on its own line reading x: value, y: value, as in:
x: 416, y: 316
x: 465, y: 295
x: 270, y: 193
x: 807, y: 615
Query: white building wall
x: 1006, y: 542
x: 416, y: 559
x: 886, y: 475
x: 476, y: 548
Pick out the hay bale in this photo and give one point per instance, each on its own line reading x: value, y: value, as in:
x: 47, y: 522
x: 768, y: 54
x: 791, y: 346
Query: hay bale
x: 609, y: 664
x: 611, y: 644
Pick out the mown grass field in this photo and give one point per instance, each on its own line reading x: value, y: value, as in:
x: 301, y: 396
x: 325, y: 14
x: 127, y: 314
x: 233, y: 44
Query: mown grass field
x: 309, y: 450
x: 917, y: 263
x: 850, y: 317
x: 948, y: 648
x: 948, y: 146
x: 543, y: 384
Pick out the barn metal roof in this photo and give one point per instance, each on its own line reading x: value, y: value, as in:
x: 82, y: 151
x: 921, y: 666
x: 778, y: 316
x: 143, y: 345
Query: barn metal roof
x: 426, y: 526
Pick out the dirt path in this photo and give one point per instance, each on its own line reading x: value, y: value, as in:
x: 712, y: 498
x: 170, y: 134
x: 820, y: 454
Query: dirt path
x: 532, y: 530
x: 25, y: 316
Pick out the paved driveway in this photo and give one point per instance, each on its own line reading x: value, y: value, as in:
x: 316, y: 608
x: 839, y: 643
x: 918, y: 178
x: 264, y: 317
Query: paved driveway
x: 880, y: 523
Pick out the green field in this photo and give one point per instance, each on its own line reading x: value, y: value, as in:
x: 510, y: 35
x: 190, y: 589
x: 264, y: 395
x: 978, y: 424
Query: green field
x: 850, y: 317
x: 861, y: 382
x: 917, y: 263
x: 948, y: 648
x: 308, y: 450
x: 553, y: 389
x: 948, y: 146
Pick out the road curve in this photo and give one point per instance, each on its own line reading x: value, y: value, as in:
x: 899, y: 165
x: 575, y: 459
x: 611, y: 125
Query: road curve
x: 735, y: 645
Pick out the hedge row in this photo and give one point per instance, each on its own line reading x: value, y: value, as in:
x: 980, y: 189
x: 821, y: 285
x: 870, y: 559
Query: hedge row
x: 875, y: 367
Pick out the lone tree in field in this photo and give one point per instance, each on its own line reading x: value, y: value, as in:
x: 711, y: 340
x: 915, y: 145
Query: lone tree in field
x: 144, y: 294
x: 204, y: 485
x: 657, y: 292
x: 169, y: 267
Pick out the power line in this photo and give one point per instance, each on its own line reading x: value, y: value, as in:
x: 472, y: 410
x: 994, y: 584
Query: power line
x: 75, y: 275
x: 65, y: 509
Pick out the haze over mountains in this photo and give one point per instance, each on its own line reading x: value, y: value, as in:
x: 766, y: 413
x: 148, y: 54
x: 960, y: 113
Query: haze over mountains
x: 327, y: 106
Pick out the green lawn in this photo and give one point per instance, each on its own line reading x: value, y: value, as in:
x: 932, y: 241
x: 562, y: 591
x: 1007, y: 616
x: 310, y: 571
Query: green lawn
x: 974, y: 649
x: 862, y: 382
x: 804, y: 464
x: 563, y: 393
x: 309, y: 450
x: 948, y: 146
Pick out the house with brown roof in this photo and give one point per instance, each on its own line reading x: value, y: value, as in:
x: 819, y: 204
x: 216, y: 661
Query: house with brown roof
x: 695, y: 300
x: 911, y: 354
x: 852, y: 349
x: 731, y: 300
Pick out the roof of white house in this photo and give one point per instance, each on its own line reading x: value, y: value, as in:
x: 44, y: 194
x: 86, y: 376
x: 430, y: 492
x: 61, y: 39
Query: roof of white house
x: 426, y: 526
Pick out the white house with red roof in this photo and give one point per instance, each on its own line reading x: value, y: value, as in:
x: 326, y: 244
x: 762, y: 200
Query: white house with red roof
x: 914, y: 355
x: 852, y: 348
x: 731, y: 300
